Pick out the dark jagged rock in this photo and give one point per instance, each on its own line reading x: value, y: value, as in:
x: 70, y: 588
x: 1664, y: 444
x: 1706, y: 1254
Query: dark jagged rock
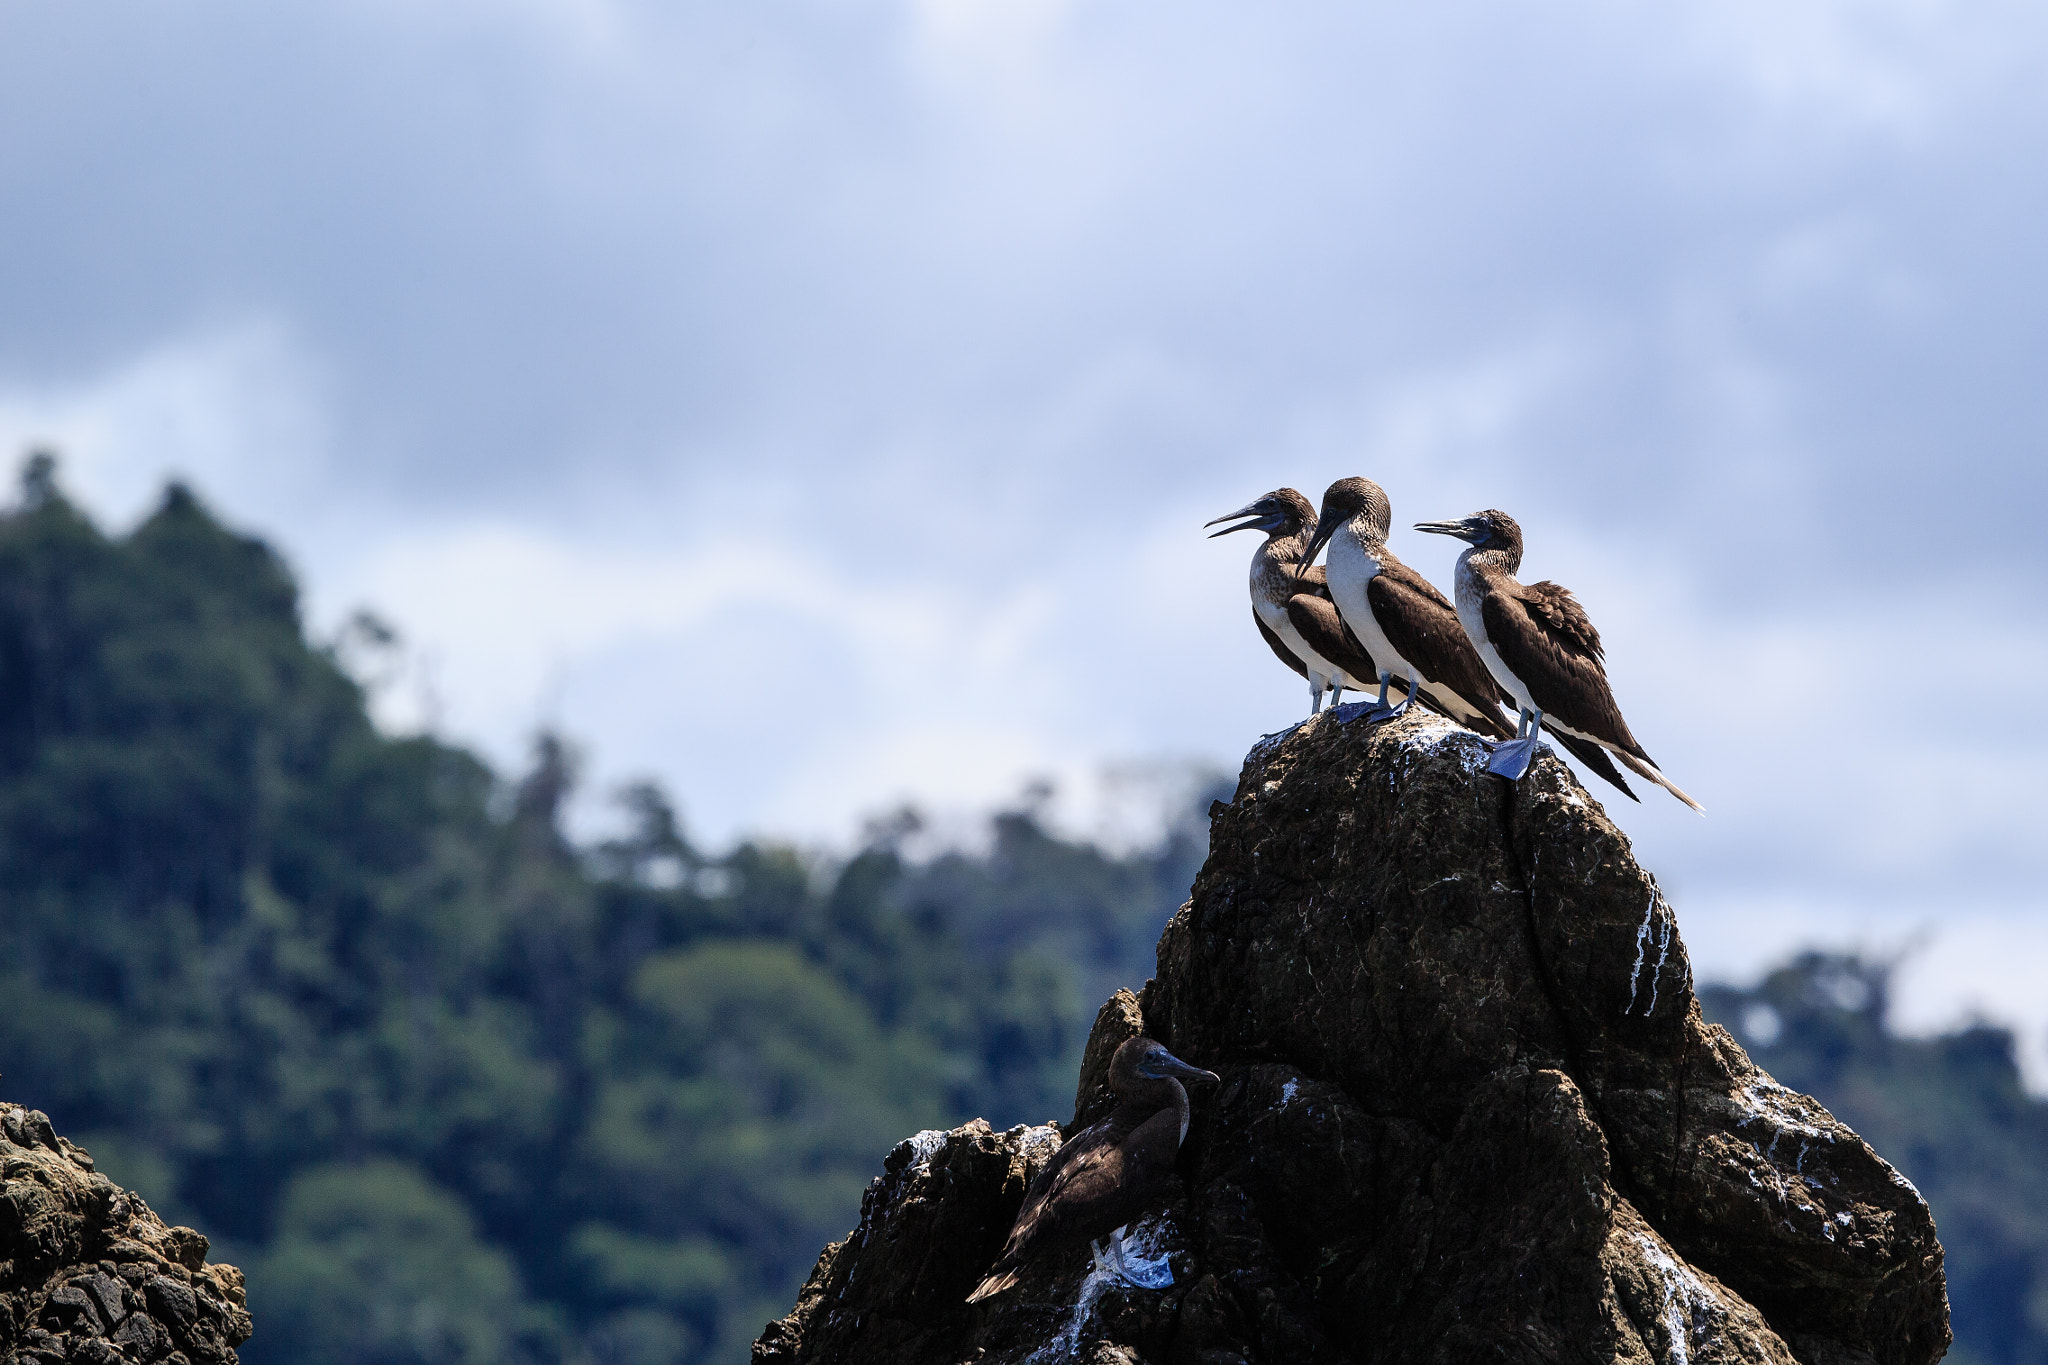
x: 1470, y: 1112
x: 89, y: 1274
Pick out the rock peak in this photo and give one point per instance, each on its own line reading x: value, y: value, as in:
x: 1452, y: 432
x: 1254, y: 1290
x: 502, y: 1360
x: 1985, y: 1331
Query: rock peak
x: 88, y: 1273
x: 1470, y: 1111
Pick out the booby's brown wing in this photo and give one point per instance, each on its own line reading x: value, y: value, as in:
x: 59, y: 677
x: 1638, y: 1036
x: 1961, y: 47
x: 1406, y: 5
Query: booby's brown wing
x: 1074, y: 1187
x: 1325, y: 632
x: 1421, y: 623
x: 1085, y: 1173
x: 1286, y: 655
x: 1315, y: 578
x: 1555, y: 662
x: 1098, y: 1181
x: 1560, y: 612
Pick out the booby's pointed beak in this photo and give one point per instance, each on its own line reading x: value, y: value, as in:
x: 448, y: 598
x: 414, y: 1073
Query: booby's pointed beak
x: 1463, y: 530
x: 1324, y: 530
x: 1173, y: 1066
x: 1257, y: 522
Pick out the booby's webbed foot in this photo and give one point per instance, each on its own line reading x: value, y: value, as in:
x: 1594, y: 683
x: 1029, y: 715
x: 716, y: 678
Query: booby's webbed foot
x: 1511, y: 757
x: 1154, y: 1274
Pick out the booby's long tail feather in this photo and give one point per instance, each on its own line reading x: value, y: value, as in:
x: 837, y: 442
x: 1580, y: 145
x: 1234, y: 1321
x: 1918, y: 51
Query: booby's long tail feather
x: 1649, y: 770
x: 994, y: 1284
x: 1594, y: 757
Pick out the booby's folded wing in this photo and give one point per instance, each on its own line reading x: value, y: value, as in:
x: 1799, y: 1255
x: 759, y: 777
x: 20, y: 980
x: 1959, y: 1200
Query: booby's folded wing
x: 1078, y: 1187
x: 1593, y: 756
x: 1422, y: 625
x: 1083, y: 1177
x: 1553, y: 605
x: 1549, y: 651
x: 1286, y: 655
x: 1325, y: 632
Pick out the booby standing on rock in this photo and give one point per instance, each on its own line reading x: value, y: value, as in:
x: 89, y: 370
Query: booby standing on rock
x: 1105, y: 1176
x: 1409, y: 627
x: 1538, y: 641
x: 1405, y: 624
x: 1291, y: 600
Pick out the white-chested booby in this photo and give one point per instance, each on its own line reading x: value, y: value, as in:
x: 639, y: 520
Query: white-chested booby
x: 1410, y: 629
x: 1405, y: 624
x: 1107, y: 1175
x: 1291, y: 600
x: 1538, y: 641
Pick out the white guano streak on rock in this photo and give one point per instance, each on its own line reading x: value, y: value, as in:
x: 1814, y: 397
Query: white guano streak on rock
x: 1066, y: 1346
x: 1642, y: 944
x: 1685, y: 1299
x: 1657, y: 973
x: 1434, y: 733
x: 923, y: 1147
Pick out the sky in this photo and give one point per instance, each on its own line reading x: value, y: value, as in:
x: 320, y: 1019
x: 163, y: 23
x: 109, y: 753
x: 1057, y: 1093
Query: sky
x: 814, y: 404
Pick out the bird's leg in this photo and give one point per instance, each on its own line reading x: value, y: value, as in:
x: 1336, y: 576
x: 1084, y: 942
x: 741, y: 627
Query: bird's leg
x: 1406, y: 701
x: 1315, y: 695
x: 1511, y: 758
x: 1115, y: 1241
x: 1380, y: 709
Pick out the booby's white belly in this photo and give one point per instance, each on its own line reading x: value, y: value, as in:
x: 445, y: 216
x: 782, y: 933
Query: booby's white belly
x: 1275, y: 619
x: 1491, y: 658
x: 1351, y: 568
x: 1474, y: 622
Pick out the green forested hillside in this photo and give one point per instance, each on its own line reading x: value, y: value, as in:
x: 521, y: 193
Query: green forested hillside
x: 449, y: 1088
x: 453, y: 1090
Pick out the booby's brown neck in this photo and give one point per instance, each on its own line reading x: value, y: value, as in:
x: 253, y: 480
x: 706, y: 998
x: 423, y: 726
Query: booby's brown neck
x: 1494, y: 561
x: 1139, y: 1102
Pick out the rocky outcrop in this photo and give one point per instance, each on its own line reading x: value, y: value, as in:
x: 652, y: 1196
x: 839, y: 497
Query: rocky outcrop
x: 89, y: 1274
x: 1470, y: 1111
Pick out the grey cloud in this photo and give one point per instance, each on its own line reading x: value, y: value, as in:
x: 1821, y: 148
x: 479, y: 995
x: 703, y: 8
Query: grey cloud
x: 1751, y: 292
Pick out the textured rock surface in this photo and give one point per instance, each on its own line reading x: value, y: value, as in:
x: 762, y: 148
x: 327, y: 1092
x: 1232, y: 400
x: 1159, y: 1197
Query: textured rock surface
x: 1470, y: 1112
x: 89, y: 1274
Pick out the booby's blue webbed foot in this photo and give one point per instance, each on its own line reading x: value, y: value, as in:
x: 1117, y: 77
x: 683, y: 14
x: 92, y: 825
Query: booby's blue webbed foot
x: 1153, y: 1274
x: 1511, y: 757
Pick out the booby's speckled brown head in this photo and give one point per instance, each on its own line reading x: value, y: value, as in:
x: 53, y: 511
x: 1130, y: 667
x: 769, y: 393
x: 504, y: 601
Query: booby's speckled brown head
x: 1282, y: 512
x: 1355, y: 502
x: 1347, y: 499
x: 1492, y: 530
x: 1142, y: 1063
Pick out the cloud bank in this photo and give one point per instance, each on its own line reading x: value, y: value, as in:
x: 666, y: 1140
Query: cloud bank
x: 814, y: 403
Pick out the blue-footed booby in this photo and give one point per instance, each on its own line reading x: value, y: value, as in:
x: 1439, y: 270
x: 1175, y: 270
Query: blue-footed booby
x: 1405, y: 624
x: 1291, y: 599
x: 1411, y: 629
x: 1105, y: 1176
x: 1539, y: 643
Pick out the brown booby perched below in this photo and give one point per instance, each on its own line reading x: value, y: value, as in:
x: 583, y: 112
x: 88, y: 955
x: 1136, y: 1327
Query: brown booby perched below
x: 1107, y: 1175
x: 1291, y: 599
x: 1538, y: 641
x: 1410, y: 628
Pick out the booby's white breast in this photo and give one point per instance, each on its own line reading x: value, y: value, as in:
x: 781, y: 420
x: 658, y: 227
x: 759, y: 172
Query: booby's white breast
x: 1352, y: 566
x: 1275, y: 619
x: 1470, y: 594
